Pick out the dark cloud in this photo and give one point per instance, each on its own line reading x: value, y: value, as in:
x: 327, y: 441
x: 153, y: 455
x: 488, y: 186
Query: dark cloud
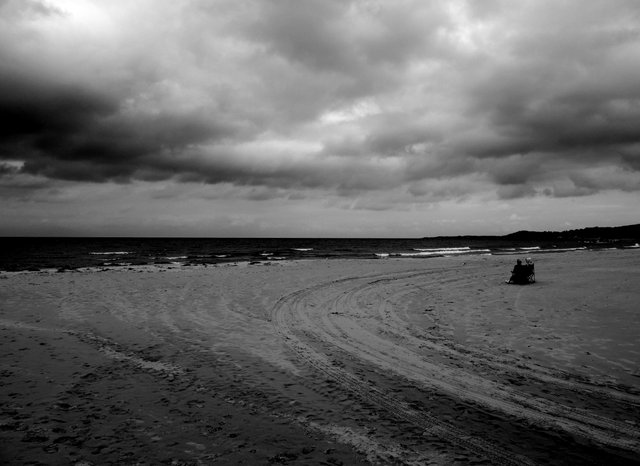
x: 514, y: 170
x: 77, y: 133
x: 515, y: 191
x: 13, y: 185
x: 539, y: 99
x: 327, y: 54
x: 8, y: 169
x: 349, y: 37
x: 399, y: 135
x: 563, y: 85
x: 32, y: 108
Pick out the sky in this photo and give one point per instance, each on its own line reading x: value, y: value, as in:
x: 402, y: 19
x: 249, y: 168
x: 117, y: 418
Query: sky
x: 326, y: 118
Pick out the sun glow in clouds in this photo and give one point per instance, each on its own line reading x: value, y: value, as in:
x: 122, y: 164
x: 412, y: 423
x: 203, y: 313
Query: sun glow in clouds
x: 356, y: 111
x: 82, y: 18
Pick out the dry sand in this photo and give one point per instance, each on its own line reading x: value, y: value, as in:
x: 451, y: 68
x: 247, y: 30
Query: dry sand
x: 433, y: 361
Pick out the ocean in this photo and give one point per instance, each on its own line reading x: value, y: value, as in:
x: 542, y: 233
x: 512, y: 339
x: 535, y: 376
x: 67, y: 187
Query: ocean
x: 19, y: 254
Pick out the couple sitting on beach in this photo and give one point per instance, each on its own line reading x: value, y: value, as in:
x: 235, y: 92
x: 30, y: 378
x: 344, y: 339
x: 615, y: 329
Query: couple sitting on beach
x: 523, y: 273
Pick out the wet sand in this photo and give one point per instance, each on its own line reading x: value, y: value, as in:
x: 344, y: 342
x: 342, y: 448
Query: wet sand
x: 396, y: 361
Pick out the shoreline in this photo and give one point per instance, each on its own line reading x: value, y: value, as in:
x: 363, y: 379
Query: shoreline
x: 356, y: 361
x: 164, y: 266
x: 73, y: 254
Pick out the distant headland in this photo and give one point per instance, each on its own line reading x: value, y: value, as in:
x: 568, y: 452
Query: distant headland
x: 590, y: 234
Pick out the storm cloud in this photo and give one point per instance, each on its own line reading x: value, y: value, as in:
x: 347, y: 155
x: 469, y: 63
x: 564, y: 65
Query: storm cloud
x: 368, y: 104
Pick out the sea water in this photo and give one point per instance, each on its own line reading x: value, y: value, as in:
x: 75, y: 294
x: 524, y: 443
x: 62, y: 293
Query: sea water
x: 71, y: 253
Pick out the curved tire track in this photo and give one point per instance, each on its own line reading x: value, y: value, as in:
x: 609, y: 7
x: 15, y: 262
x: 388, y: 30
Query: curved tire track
x: 398, y: 408
x: 470, y: 387
x: 301, y: 311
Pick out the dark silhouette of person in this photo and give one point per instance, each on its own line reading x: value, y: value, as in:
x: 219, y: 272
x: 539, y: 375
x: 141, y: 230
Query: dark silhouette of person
x: 517, y: 272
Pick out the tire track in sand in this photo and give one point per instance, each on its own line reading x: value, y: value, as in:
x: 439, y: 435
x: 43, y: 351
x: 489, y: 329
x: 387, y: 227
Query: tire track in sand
x: 306, y: 312
x: 282, y: 314
x: 462, y: 383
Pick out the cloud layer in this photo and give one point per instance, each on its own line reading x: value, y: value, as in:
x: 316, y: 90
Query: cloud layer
x: 383, y: 103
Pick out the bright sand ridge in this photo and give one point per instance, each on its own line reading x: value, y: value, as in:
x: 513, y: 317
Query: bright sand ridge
x: 341, y: 361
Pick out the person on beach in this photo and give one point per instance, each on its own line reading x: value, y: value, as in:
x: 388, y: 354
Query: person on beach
x: 517, y: 272
x: 523, y: 274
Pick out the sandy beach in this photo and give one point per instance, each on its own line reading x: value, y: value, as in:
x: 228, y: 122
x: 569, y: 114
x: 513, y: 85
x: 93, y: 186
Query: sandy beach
x: 396, y: 361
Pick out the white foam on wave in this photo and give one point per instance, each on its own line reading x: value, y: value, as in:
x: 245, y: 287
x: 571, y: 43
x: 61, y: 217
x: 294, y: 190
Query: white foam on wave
x: 443, y: 252
x: 109, y: 253
x: 462, y: 249
x: 582, y: 248
x: 302, y: 249
x: 381, y: 254
x: 532, y: 248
